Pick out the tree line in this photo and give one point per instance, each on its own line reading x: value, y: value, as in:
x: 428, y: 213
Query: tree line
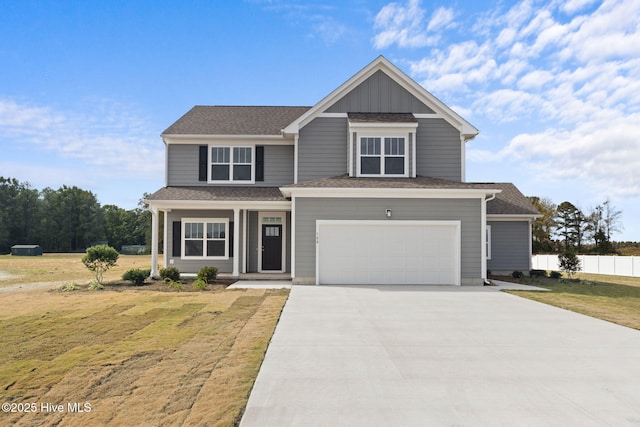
x: 566, y: 228
x: 68, y: 219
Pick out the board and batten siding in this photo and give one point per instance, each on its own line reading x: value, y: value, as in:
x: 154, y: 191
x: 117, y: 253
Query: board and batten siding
x: 438, y: 150
x: 322, y: 149
x: 467, y: 211
x: 509, y: 246
x: 182, y: 168
x: 379, y: 94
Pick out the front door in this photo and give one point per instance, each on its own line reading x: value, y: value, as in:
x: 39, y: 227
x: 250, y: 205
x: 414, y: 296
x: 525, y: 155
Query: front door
x: 272, y: 247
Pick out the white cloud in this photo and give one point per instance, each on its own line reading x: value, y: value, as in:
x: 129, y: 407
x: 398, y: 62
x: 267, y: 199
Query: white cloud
x: 403, y: 25
x: 102, y: 134
x: 441, y: 18
x: 561, y: 80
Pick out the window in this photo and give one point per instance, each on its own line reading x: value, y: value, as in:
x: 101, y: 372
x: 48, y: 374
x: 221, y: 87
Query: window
x: 205, y: 238
x: 382, y: 156
x: 231, y: 164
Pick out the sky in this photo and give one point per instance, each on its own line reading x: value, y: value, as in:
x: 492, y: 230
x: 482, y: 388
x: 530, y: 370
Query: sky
x: 87, y: 87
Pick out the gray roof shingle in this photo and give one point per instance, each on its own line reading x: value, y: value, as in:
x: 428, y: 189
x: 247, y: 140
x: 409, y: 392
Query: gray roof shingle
x: 382, y: 118
x: 234, y: 120
x: 267, y: 194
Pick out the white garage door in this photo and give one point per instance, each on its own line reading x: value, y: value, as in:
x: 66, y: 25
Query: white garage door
x: 388, y: 252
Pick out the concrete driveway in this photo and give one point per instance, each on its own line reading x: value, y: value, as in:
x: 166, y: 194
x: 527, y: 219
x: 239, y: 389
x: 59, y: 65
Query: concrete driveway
x: 442, y: 356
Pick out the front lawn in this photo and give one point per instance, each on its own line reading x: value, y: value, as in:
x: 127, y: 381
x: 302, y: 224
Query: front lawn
x: 612, y: 298
x: 132, y: 357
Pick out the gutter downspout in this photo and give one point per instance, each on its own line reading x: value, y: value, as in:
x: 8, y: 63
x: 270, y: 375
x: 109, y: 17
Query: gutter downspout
x: 483, y: 239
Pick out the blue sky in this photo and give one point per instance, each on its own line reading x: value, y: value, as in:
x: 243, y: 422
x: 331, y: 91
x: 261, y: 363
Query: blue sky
x: 87, y: 87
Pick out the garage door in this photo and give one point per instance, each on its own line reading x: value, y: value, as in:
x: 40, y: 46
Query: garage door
x: 388, y: 252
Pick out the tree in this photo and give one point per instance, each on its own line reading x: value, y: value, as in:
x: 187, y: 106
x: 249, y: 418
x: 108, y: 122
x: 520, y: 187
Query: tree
x: 99, y: 259
x: 569, y: 223
x: 543, y: 226
x: 569, y: 263
x: 611, y: 219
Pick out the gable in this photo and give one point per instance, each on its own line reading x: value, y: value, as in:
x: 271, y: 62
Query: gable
x: 379, y: 94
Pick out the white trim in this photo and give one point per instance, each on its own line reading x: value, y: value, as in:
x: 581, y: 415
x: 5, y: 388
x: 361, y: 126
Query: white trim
x: 205, y: 221
x: 427, y: 116
x: 154, y: 242
x: 332, y: 115
x: 218, y: 205
x: 382, y: 155
x: 388, y: 193
x: 463, y: 159
x: 483, y: 238
x: 165, y: 239
x: 393, y: 127
x: 236, y: 242
x: 245, y: 239
x: 283, y: 216
x: 232, y: 164
x: 531, y: 246
x: 350, y: 137
x: 296, y: 141
x: 456, y: 223
x: 414, y: 154
x: 227, y: 139
x: 293, y: 238
x: 514, y: 217
x: 384, y: 65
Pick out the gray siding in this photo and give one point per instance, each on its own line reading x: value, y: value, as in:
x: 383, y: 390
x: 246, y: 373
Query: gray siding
x: 183, y: 166
x: 438, y: 150
x: 468, y: 211
x: 322, y: 149
x: 509, y: 246
x: 379, y: 94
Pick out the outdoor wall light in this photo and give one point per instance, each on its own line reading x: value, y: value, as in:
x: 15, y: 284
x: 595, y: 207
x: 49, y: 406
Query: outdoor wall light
x: 387, y: 212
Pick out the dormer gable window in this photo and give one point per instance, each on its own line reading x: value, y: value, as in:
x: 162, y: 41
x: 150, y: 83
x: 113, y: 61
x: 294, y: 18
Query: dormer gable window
x: 381, y: 144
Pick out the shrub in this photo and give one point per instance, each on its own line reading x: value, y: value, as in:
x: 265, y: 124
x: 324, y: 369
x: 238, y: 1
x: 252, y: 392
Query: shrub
x: 208, y: 274
x: 569, y: 263
x: 538, y: 273
x: 516, y: 274
x: 136, y: 275
x: 95, y: 286
x: 200, y: 284
x: 99, y: 259
x: 555, y: 275
x: 68, y: 287
x: 170, y: 273
x: 173, y: 284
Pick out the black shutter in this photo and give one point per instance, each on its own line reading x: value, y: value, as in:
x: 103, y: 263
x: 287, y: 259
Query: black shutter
x: 231, y: 239
x: 259, y: 163
x: 202, y: 164
x: 177, y: 239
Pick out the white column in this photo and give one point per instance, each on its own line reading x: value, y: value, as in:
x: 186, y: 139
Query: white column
x: 245, y: 214
x: 236, y: 242
x: 154, y: 243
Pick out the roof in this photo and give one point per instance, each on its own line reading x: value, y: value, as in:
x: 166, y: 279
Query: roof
x: 235, y: 120
x: 383, y: 64
x: 382, y: 118
x: 509, y: 201
x: 255, y: 194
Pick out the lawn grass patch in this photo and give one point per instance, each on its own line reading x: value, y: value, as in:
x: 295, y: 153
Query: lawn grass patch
x: 612, y: 298
x: 61, y: 267
x: 138, y: 358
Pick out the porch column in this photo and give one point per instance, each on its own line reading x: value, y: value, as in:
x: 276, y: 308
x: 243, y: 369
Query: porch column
x: 236, y: 242
x: 154, y: 243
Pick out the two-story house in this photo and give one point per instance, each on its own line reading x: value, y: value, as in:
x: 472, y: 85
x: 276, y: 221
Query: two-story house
x: 365, y: 187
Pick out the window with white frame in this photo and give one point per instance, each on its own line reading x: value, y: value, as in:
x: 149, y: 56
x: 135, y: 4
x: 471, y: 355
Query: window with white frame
x: 382, y: 156
x: 231, y: 164
x: 205, y: 238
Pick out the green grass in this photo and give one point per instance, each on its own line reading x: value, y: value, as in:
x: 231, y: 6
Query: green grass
x: 612, y: 298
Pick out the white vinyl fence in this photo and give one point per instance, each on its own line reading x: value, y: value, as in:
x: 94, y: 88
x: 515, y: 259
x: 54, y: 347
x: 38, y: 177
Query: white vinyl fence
x: 595, y: 264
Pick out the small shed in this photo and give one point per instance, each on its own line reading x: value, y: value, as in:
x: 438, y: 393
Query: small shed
x: 26, y: 250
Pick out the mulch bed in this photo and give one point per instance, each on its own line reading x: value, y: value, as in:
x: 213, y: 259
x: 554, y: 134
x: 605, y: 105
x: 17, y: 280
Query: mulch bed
x: 158, y: 286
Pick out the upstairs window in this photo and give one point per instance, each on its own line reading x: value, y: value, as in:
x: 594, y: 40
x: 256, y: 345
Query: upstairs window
x: 231, y: 164
x: 382, y: 156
